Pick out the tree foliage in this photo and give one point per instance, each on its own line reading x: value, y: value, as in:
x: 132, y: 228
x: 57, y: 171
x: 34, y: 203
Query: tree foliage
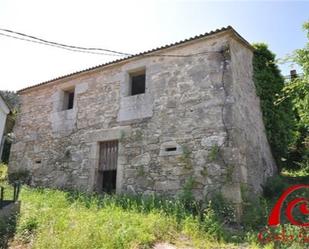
x: 278, y: 119
x: 297, y: 92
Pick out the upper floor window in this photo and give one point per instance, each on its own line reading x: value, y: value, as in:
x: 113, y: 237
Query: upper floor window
x: 138, y: 82
x: 68, y: 99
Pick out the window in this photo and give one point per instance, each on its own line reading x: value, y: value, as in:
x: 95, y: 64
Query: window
x: 170, y: 149
x: 138, y: 82
x: 68, y: 100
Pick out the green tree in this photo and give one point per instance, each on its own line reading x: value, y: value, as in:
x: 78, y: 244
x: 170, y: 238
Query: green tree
x: 278, y: 119
x: 297, y: 92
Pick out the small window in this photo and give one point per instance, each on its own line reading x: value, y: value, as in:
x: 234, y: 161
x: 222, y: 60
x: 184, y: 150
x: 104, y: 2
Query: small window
x: 68, y: 102
x: 170, y: 149
x: 138, y: 82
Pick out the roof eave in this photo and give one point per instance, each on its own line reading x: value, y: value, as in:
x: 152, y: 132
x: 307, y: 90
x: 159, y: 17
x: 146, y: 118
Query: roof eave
x: 139, y: 55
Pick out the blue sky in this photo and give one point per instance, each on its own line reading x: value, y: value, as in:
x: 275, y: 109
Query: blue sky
x: 132, y: 26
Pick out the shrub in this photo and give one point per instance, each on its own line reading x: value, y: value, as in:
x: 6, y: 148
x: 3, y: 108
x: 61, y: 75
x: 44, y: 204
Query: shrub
x: 255, y: 213
x: 224, y: 210
x: 210, y: 222
x: 279, y: 120
x: 303, y: 170
x: 186, y: 194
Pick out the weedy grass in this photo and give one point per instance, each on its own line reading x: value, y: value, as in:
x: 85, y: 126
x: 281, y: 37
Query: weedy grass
x: 59, y: 219
x: 67, y: 219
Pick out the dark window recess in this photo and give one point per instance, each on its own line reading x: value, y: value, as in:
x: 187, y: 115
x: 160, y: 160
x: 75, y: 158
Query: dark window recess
x: 38, y: 161
x: 109, y: 181
x: 71, y: 100
x: 138, y: 83
x: 171, y: 149
x: 68, y: 100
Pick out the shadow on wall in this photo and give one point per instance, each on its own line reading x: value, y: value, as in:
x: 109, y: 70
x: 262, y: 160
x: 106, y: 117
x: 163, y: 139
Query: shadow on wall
x: 6, y: 149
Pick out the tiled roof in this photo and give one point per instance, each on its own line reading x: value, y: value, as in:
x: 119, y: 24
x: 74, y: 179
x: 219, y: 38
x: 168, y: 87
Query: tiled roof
x: 143, y: 54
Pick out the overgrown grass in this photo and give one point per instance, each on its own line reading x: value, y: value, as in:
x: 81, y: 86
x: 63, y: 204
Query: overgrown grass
x: 59, y: 219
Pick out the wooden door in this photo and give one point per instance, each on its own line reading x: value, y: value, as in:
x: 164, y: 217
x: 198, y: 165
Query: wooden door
x: 107, y: 171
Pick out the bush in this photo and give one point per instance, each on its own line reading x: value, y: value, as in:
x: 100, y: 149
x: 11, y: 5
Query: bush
x: 255, y: 213
x: 186, y: 194
x: 302, y: 172
x: 224, y: 210
x: 279, y: 120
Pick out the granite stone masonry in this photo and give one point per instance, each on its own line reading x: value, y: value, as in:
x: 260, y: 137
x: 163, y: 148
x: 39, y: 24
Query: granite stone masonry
x: 196, y: 116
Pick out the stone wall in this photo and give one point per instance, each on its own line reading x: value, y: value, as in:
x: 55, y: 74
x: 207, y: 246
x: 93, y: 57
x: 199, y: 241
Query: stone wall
x: 248, y: 132
x: 199, y: 104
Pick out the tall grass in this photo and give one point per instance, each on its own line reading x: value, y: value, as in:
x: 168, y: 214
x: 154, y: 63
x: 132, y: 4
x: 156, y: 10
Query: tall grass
x: 57, y: 219
x: 63, y: 220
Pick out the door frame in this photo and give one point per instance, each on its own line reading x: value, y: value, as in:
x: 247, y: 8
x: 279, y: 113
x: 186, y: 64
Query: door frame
x: 99, y: 176
x: 94, y: 140
x: 119, y: 167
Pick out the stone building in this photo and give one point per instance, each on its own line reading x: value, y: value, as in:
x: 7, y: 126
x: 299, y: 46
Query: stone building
x: 150, y: 122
